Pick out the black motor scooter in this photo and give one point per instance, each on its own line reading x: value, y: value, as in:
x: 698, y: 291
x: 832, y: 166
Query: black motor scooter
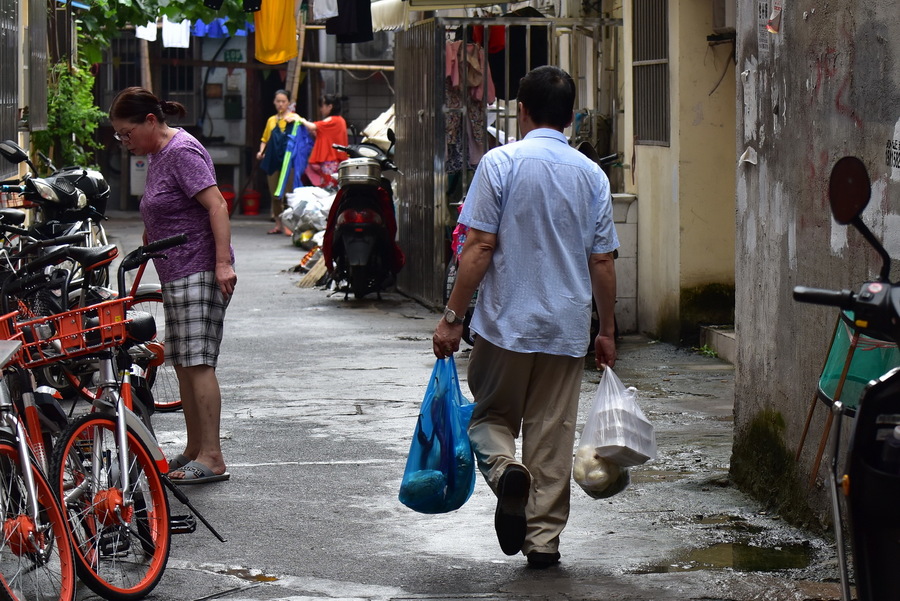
x: 359, y: 247
x: 869, y: 482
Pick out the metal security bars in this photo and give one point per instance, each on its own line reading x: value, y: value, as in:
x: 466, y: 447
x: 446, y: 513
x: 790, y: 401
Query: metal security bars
x: 651, y: 72
x: 9, y: 80
x: 442, y: 132
x: 37, y: 65
x: 174, y: 78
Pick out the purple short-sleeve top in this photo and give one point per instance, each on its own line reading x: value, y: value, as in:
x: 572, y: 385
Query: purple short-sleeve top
x: 175, y: 175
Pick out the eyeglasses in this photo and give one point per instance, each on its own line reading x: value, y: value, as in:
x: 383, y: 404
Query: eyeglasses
x: 126, y: 136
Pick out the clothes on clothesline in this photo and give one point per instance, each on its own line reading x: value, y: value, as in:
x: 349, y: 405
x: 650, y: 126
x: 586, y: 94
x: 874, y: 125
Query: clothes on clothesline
x: 353, y: 23
x: 276, y: 32
x: 176, y: 35
x: 467, y: 82
x: 324, y: 9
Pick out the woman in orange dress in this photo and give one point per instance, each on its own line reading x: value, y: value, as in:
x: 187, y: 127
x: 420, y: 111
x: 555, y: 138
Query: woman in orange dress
x: 331, y: 129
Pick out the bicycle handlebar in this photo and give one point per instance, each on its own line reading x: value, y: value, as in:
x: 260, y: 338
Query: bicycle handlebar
x: 17, y: 285
x: 14, y: 229
x: 819, y: 296
x: 142, y: 254
x: 165, y: 243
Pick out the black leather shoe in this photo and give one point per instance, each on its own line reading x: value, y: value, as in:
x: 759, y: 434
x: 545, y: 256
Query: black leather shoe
x: 509, y: 518
x: 542, y: 561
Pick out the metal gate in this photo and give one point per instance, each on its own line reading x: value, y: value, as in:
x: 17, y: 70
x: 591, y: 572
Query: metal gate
x: 434, y: 181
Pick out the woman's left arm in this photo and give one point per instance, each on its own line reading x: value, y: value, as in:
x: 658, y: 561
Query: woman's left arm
x: 213, y: 201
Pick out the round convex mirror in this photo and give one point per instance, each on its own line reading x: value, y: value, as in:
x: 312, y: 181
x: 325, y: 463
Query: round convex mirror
x: 849, y: 189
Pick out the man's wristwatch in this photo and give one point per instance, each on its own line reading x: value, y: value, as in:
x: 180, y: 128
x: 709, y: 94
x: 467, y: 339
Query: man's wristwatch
x: 450, y: 316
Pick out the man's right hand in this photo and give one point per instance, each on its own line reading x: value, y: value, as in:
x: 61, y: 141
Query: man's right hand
x: 446, y: 338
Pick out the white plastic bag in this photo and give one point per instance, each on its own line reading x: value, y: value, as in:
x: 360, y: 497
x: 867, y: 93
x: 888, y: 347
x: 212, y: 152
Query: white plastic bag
x: 616, y: 428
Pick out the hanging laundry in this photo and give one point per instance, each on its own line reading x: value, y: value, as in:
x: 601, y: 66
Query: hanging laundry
x: 276, y: 32
x: 324, y: 9
x: 468, y: 83
x: 147, y: 32
x: 497, y: 41
x: 353, y: 25
x: 176, y: 35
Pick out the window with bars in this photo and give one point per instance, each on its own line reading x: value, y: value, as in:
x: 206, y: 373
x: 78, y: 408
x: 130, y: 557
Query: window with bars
x: 650, y: 68
x: 9, y: 79
x: 37, y: 66
x: 175, y: 75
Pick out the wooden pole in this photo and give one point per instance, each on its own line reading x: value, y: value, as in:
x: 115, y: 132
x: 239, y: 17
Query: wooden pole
x: 146, y: 76
x: 347, y: 66
x: 301, y: 44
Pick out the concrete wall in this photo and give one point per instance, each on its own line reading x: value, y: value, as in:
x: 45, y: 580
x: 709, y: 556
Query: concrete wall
x: 826, y: 85
x: 685, y: 190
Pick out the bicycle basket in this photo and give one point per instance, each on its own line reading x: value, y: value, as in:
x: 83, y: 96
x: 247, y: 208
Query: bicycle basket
x: 73, y: 333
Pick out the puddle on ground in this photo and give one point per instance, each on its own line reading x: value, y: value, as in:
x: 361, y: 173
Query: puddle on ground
x: 740, y: 557
x: 251, y: 575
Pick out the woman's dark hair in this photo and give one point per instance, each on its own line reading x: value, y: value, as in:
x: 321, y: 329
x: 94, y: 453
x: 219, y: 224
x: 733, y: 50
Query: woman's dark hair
x: 549, y: 95
x: 334, y: 100
x: 285, y: 92
x: 134, y: 104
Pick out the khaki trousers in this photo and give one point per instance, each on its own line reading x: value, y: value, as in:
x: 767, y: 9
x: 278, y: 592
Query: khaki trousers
x: 535, y: 394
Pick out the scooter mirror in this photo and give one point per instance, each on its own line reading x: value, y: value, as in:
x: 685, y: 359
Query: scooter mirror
x: 849, y: 189
x: 12, y: 152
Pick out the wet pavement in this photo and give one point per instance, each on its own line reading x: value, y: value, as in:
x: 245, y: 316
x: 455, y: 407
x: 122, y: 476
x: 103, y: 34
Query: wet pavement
x: 320, y: 401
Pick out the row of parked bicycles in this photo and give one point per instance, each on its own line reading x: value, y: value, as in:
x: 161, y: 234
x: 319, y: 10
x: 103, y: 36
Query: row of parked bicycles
x: 83, y: 486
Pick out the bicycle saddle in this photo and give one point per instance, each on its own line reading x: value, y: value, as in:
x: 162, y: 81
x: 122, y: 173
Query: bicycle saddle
x: 94, y: 256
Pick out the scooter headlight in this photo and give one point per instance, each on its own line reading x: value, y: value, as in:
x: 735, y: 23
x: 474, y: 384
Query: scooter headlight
x: 45, y: 191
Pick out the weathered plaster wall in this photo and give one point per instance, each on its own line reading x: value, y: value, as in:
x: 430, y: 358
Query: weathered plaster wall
x: 685, y: 190
x: 824, y: 86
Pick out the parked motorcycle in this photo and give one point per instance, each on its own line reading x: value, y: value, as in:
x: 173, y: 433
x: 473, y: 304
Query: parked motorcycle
x: 359, y: 247
x: 869, y: 482
x: 62, y: 203
x: 71, y: 200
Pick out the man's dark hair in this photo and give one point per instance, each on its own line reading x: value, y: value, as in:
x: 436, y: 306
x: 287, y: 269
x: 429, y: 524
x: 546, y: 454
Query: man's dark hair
x: 549, y: 95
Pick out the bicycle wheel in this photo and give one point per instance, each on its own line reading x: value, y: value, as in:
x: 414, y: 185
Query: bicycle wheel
x: 36, y: 561
x: 161, y: 377
x: 121, y: 549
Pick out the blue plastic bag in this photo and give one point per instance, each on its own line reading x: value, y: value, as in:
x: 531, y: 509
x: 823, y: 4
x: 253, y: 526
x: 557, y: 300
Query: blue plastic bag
x: 440, y: 469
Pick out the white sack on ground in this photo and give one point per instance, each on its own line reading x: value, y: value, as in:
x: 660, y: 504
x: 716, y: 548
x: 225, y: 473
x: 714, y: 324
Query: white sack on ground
x: 308, y: 208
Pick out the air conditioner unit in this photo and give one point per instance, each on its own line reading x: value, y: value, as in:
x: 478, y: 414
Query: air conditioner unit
x: 723, y: 20
x: 381, y: 48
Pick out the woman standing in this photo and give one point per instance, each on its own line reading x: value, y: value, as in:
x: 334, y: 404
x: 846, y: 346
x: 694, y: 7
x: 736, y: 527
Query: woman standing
x: 198, y: 278
x: 331, y: 129
x: 272, y: 147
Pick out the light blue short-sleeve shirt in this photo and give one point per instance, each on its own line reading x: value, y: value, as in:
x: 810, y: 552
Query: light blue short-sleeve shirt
x: 550, y: 208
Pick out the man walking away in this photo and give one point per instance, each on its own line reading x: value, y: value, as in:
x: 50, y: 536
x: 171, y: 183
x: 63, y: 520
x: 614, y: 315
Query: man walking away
x: 540, y: 244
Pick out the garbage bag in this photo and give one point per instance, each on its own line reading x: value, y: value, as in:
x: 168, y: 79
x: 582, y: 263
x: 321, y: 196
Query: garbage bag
x: 440, y: 469
x: 307, y: 208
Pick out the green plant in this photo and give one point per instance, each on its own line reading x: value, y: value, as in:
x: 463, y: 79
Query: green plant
x: 72, y: 117
x: 706, y: 351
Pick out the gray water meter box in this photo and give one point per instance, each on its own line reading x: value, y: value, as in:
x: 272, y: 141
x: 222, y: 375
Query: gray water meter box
x: 233, y: 108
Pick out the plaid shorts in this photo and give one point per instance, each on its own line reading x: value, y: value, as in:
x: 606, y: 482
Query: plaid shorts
x: 195, y: 315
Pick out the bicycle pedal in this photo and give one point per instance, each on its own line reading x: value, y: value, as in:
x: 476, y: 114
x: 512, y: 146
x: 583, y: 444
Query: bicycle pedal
x: 182, y: 524
x: 114, y: 541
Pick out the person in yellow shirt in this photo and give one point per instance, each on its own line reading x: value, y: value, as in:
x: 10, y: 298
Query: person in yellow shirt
x: 272, y: 147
